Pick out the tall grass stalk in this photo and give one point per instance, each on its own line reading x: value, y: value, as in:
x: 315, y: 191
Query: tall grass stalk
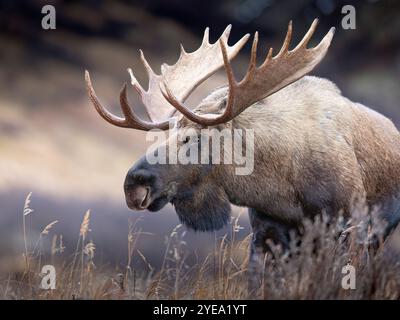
x: 309, y: 269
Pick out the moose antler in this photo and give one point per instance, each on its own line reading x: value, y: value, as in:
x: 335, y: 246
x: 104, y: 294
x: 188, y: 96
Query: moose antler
x: 183, y: 77
x: 274, y: 74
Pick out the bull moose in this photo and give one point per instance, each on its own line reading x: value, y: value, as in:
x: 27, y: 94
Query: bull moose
x: 314, y: 150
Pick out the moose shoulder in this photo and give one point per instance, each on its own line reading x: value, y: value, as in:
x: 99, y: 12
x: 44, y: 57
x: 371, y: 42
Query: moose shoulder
x: 314, y: 150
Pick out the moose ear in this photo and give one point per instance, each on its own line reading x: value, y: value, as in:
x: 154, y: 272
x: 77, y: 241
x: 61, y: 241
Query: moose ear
x: 206, y: 209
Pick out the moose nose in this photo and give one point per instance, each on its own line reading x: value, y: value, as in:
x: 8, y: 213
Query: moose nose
x: 137, y: 197
x: 138, y: 188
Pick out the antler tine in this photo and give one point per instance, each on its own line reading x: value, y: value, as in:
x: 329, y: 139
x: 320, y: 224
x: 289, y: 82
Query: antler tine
x: 241, y: 42
x: 303, y: 43
x: 139, y: 89
x: 227, y: 65
x: 206, y: 36
x: 130, y: 117
x: 149, y: 70
x: 132, y: 120
x: 253, y: 58
x: 226, y: 33
x: 238, y: 45
x: 103, y: 112
x: 326, y: 41
x: 151, y: 75
x: 268, y: 58
x: 183, y: 51
x: 136, y: 85
x: 286, y: 42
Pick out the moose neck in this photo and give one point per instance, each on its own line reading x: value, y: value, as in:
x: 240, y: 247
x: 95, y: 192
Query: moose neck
x: 272, y: 166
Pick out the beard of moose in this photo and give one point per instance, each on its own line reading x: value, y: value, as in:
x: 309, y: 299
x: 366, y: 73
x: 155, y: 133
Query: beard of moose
x: 206, y: 210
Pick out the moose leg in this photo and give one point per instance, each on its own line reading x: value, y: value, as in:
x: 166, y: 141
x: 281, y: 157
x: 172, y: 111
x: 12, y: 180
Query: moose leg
x: 264, y: 228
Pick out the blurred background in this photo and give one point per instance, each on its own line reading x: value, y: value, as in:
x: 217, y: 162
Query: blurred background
x: 53, y: 143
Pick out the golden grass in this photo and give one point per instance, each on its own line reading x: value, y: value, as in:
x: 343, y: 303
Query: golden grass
x: 311, y: 269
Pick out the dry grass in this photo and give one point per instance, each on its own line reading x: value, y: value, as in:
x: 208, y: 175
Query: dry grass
x: 311, y: 269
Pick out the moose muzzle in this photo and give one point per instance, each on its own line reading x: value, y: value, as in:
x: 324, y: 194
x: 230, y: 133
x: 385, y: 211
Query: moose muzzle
x: 138, y: 188
x: 137, y: 197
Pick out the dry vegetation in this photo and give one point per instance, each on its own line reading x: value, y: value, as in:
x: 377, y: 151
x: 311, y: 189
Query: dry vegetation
x: 312, y: 269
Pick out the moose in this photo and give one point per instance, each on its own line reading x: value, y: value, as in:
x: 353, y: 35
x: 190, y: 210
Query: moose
x: 315, y: 151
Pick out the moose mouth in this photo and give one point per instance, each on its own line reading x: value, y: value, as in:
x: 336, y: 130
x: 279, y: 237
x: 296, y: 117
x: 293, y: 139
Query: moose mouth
x: 145, y: 202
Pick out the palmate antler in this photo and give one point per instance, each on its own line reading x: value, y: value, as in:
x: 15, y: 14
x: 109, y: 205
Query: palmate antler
x: 183, y: 77
x: 259, y: 82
